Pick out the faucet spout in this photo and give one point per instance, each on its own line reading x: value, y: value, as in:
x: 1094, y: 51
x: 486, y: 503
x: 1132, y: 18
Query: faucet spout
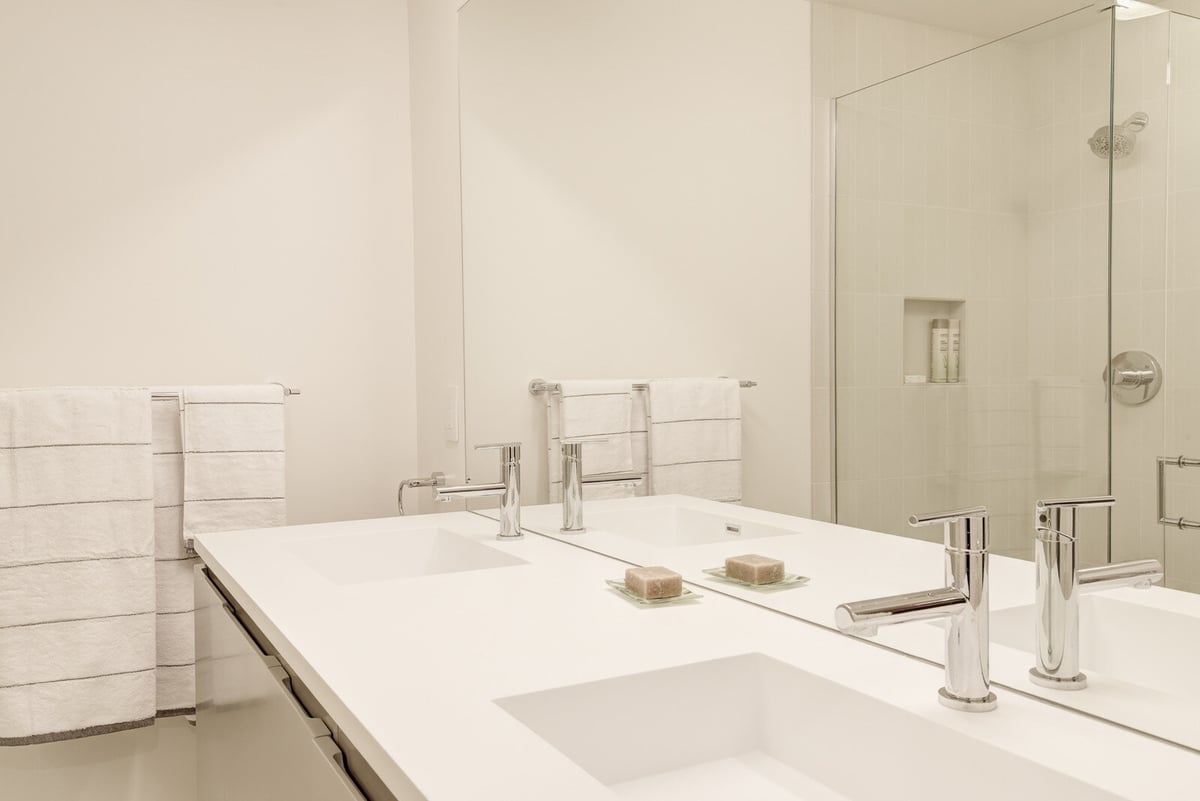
x: 865, y: 617
x: 1141, y: 574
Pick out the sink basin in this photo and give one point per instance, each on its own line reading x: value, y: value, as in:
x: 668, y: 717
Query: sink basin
x: 382, y: 555
x: 677, y: 526
x: 752, y: 727
x: 1129, y: 642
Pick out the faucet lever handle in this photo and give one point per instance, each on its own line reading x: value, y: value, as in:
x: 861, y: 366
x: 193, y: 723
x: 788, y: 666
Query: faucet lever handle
x: 493, y: 446
x: 965, y: 529
x: 1077, y: 503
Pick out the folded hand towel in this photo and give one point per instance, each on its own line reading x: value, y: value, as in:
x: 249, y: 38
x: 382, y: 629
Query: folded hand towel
x: 233, y: 458
x: 229, y: 475
x: 601, y: 409
x: 696, y: 438
x: 77, y: 651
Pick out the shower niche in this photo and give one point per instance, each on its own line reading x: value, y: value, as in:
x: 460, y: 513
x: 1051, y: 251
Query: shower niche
x: 919, y: 314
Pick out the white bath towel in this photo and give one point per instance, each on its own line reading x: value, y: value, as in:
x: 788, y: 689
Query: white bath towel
x: 233, y: 473
x: 228, y: 476
x: 77, y: 650
x: 176, y: 682
x: 696, y: 438
x: 601, y: 409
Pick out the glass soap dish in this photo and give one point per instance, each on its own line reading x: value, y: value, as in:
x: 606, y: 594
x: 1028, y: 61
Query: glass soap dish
x: 788, y: 581
x: 620, y: 587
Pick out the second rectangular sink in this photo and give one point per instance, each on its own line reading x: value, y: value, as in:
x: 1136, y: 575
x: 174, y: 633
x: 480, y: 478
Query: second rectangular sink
x: 752, y: 727
x: 678, y: 526
x: 399, y: 553
x: 1137, y: 644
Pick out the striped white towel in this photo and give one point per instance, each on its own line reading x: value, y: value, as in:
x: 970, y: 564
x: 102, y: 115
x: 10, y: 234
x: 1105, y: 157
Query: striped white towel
x: 175, y: 625
x: 77, y: 651
x: 609, y: 410
x: 696, y: 438
x: 233, y: 472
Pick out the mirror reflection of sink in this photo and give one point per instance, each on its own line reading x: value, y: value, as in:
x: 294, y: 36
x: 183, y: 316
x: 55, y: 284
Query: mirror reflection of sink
x: 399, y: 553
x: 677, y: 526
x: 1127, y: 641
x: 752, y: 727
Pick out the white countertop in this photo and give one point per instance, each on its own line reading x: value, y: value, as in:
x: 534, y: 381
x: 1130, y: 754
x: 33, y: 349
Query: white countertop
x: 850, y: 564
x: 410, y: 668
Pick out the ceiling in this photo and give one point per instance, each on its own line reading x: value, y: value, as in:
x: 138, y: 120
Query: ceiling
x: 986, y: 18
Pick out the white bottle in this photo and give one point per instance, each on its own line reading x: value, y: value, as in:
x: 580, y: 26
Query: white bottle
x: 939, y: 351
x: 952, y: 367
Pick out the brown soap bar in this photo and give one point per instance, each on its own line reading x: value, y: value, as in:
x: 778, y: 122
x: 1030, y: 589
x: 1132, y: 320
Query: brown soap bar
x: 653, y: 582
x: 754, y: 569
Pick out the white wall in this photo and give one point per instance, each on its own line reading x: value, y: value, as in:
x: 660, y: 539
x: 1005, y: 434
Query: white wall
x: 215, y: 193
x: 636, y: 199
x: 211, y: 193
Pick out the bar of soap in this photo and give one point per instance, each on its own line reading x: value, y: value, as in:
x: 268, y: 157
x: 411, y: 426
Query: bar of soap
x: 754, y: 569
x: 653, y: 582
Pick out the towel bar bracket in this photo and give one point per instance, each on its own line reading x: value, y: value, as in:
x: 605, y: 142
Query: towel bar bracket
x: 1181, y: 523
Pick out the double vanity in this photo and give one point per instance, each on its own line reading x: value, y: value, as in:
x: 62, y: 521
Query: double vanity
x: 429, y: 659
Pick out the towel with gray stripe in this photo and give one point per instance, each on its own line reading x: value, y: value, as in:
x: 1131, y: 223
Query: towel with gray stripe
x: 77, y: 597
x: 608, y: 410
x: 696, y: 438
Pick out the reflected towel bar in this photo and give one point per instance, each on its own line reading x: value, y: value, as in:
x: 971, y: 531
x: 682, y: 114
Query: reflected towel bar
x: 539, y: 385
x: 174, y: 394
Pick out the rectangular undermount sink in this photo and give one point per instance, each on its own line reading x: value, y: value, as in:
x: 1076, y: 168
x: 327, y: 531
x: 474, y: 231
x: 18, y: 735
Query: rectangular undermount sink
x: 752, y: 727
x: 1129, y: 642
x: 399, y: 553
x: 678, y: 526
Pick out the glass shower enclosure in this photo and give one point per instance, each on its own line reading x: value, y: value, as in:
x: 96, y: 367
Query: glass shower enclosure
x: 1037, y: 195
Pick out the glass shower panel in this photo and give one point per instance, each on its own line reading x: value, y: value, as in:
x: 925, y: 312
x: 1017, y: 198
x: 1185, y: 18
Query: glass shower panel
x: 966, y: 190
x: 1181, y: 360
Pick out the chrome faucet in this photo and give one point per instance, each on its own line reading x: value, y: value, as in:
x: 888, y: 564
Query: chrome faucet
x: 508, y: 488
x: 573, y: 483
x: 964, y: 602
x: 1058, y: 584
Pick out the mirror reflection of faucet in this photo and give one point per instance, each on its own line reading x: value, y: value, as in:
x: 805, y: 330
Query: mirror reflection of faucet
x: 508, y: 488
x: 1058, y: 583
x: 574, y: 482
x: 964, y: 602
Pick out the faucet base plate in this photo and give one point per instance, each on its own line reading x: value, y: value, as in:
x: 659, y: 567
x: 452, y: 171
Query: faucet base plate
x: 967, y: 704
x: 517, y: 536
x: 580, y: 530
x: 1077, y: 682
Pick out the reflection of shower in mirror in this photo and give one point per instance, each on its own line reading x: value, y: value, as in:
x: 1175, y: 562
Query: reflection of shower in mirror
x: 1124, y: 137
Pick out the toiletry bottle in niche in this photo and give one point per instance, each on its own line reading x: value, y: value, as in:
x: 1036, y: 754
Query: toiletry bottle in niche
x: 952, y: 366
x: 939, y: 350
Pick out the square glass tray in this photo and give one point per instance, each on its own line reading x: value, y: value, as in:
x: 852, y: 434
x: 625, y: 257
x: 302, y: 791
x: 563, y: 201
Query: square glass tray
x: 788, y: 581
x: 620, y: 587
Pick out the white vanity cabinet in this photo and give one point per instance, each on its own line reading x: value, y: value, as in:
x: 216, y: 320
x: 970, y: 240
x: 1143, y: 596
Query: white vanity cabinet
x: 255, y: 741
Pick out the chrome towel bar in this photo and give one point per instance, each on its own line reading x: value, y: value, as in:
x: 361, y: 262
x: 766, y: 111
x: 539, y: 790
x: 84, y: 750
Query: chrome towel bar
x: 1178, y: 522
x: 539, y: 385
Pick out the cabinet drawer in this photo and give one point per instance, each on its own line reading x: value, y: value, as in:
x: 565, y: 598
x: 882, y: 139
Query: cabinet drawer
x: 255, y: 742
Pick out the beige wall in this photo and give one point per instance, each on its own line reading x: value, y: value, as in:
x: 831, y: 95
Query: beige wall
x: 636, y: 199
x: 211, y: 193
x: 218, y: 193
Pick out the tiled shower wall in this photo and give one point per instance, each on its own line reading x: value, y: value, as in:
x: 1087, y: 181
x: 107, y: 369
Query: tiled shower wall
x: 932, y: 204
x: 971, y: 180
x: 851, y: 50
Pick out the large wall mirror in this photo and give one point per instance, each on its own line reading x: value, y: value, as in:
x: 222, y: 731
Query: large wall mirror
x: 603, y: 236
x: 636, y: 203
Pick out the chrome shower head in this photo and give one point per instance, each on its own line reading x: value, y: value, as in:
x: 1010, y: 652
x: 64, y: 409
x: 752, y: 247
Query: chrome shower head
x: 1124, y: 137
